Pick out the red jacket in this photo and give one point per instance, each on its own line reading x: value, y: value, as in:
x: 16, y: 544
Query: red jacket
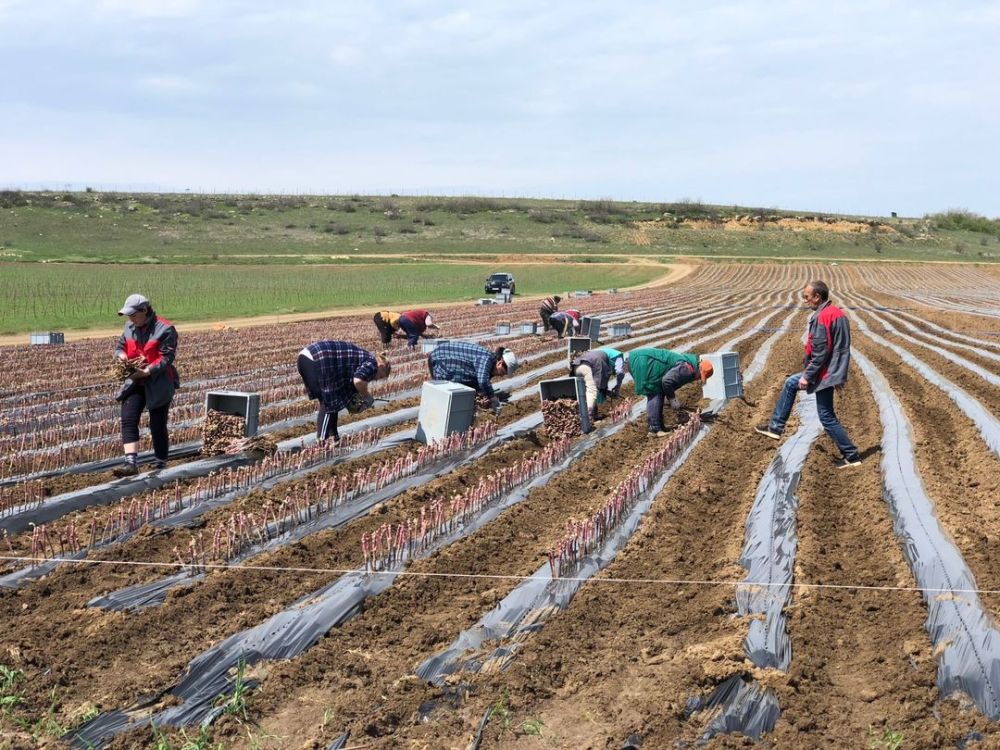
x: 828, y: 348
x: 417, y: 318
x: 157, y: 342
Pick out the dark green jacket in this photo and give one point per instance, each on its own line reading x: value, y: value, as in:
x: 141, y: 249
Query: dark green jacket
x: 648, y: 366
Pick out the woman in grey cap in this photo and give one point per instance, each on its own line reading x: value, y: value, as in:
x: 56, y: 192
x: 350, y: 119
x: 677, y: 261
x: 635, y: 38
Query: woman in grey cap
x: 151, y: 342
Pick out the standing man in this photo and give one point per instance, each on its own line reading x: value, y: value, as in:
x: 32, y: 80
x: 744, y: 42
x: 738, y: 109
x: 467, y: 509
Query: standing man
x: 595, y: 366
x: 658, y: 373
x: 472, y: 365
x: 411, y: 324
x: 549, y: 306
x: 337, y: 374
x: 151, y: 343
x: 827, y: 358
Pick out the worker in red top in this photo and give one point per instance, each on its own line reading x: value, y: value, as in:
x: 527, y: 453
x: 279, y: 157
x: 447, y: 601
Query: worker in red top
x: 412, y: 324
x: 150, y: 341
x: 827, y: 359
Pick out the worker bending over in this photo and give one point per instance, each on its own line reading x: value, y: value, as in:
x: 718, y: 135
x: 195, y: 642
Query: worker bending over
x: 658, y: 374
x: 337, y: 374
x: 549, y: 306
x: 472, y: 365
x: 412, y: 324
x: 595, y: 367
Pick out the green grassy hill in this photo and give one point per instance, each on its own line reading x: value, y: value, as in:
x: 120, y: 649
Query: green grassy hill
x: 66, y: 259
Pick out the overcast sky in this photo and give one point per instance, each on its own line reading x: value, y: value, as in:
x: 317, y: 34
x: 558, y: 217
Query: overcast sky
x: 865, y: 106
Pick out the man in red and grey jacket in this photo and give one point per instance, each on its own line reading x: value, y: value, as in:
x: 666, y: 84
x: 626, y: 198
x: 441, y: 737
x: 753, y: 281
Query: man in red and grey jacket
x: 151, y: 342
x: 828, y: 356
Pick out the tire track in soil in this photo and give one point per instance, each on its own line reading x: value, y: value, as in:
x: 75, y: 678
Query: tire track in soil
x: 860, y: 658
x: 960, y: 473
x: 384, y: 714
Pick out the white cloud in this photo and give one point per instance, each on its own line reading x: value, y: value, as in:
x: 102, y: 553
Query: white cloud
x: 820, y: 103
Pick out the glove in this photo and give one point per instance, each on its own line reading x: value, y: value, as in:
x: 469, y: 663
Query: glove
x: 616, y: 392
x: 495, y: 405
x: 683, y: 417
x: 358, y: 403
x: 675, y: 404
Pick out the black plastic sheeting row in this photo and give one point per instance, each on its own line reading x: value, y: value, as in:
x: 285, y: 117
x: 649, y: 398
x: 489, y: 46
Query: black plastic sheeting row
x: 770, y: 544
x: 153, y: 593
x: 178, y: 451
x: 526, y: 608
x: 284, y: 636
x: 964, y: 635
x: 105, y: 494
x: 748, y: 692
x: 948, y: 354
x: 293, y: 630
x: 985, y: 421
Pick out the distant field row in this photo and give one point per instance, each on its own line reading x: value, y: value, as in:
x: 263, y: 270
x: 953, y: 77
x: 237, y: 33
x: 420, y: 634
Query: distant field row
x: 72, y: 296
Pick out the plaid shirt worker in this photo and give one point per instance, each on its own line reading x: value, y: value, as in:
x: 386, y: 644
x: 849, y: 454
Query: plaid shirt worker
x: 338, y: 363
x: 465, y: 363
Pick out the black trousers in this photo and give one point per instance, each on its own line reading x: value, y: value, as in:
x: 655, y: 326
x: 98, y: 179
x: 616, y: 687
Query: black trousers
x: 384, y: 329
x: 326, y: 420
x: 132, y: 407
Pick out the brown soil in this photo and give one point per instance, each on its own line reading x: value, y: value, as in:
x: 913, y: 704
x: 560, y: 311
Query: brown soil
x: 632, y: 647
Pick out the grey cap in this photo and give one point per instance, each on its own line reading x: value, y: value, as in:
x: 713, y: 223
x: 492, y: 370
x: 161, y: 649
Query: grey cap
x: 134, y: 304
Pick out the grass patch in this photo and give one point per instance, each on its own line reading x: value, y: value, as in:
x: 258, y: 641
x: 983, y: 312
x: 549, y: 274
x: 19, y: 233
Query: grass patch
x: 64, y: 297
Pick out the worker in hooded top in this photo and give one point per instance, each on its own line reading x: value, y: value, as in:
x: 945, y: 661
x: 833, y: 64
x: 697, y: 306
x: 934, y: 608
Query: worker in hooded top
x: 658, y: 374
x: 563, y: 324
x: 412, y: 324
x: 549, y: 306
x: 151, y: 342
x: 595, y: 367
x: 337, y: 373
x: 472, y: 365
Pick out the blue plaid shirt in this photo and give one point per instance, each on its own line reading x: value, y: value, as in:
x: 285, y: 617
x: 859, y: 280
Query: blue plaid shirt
x: 465, y: 363
x: 338, y: 363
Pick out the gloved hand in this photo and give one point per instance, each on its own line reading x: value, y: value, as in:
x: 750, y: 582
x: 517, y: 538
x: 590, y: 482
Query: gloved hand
x: 616, y: 392
x: 675, y: 404
x: 495, y: 405
x: 358, y: 403
x: 683, y: 417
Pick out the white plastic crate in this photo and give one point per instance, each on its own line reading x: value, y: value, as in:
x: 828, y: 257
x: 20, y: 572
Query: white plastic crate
x: 48, y: 337
x: 621, y: 329
x: 445, y: 407
x: 529, y: 328
x: 568, y: 388
x: 239, y: 403
x: 503, y: 328
x: 727, y: 378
